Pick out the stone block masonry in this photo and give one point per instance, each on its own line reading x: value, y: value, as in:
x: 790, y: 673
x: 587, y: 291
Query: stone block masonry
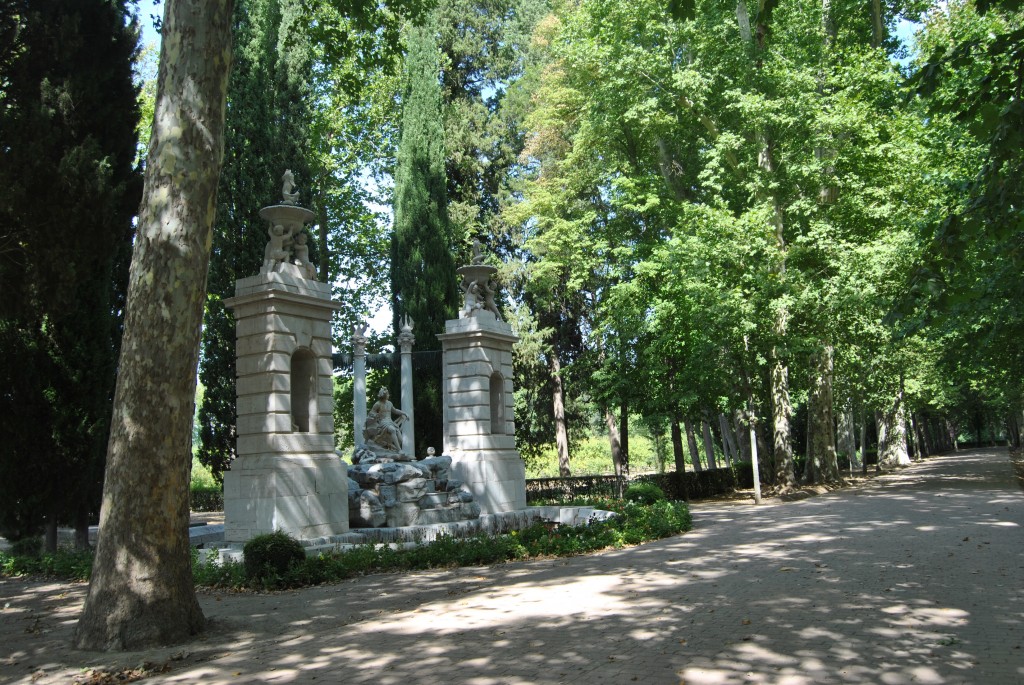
x: 286, y: 475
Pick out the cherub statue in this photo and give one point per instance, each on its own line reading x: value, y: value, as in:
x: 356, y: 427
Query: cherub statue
x: 276, y: 250
x: 301, y: 250
x: 474, y: 298
x: 489, y: 304
x: 288, y: 194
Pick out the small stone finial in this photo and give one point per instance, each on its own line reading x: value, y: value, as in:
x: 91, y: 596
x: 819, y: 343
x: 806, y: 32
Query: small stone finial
x: 405, y: 337
x: 359, y: 338
x: 288, y: 194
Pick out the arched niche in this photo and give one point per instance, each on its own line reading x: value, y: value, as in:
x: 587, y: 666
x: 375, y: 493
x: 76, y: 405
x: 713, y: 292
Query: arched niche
x: 303, y: 376
x: 497, y: 392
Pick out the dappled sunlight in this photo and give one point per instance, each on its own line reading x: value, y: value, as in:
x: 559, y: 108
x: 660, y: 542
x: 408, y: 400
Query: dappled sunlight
x: 843, y: 588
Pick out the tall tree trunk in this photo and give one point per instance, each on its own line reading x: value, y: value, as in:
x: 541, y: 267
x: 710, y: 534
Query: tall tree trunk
x: 921, y: 435
x: 728, y: 440
x: 709, y: 442
x: 877, y: 24
x: 141, y: 591
x: 822, y: 466
x: 741, y: 428
x: 624, y: 437
x: 558, y: 405
x: 691, y: 443
x: 864, y: 441
x: 785, y: 478
x: 677, y: 446
x: 680, y: 458
x: 846, y: 441
x: 892, y: 448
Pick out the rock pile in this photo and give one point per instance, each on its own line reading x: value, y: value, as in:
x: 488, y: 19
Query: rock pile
x: 394, y: 494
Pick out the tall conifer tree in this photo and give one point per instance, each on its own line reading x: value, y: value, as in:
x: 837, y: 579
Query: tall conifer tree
x: 68, y: 192
x: 423, y: 279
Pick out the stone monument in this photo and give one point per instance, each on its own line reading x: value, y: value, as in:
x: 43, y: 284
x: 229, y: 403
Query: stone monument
x: 286, y: 475
x: 479, y: 431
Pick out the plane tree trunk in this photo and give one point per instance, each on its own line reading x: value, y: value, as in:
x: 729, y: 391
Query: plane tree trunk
x: 141, y: 592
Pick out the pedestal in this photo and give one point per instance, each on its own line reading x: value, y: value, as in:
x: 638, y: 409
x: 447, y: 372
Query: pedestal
x: 479, y: 429
x: 286, y: 475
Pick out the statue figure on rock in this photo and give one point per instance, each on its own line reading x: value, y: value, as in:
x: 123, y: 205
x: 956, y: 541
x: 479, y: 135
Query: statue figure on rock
x: 382, y: 430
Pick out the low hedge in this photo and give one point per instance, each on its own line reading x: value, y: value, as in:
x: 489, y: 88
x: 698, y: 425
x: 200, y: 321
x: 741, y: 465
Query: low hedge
x: 206, y: 499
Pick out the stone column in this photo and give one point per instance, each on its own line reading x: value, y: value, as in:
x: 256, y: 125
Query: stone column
x: 479, y: 427
x: 358, y: 383
x: 286, y: 475
x: 405, y: 342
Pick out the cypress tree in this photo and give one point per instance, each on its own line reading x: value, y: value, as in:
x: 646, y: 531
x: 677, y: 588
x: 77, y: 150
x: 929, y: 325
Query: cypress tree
x: 68, y: 192
x: 266, y: 132
x: 423, y: 280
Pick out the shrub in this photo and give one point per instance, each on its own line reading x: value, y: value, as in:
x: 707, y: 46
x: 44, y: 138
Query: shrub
x: 268, y: 557
x: 64, y: 564
x: 643, y: 493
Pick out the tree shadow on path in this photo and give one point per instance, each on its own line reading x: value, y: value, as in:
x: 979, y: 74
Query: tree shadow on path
x: 914, y: 578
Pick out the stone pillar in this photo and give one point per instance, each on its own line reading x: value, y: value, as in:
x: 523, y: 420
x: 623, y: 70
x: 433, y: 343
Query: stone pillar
x: 358, y: 383
x: 405, y: 342
x: 286, y: 475
x: 479, y: 428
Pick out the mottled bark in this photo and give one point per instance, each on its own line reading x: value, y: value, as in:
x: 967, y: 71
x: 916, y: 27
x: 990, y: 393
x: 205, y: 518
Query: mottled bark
x: 141, y: 592
x: 892, y: 435
x: 846, y: 440
x: 822, y: 466
x: 558, y: 406
x: 785, y: 478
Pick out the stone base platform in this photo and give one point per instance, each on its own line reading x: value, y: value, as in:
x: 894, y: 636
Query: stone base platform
x: 410, y: 536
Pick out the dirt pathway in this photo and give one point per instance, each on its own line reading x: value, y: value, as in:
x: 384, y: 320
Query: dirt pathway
x: 916, y: 577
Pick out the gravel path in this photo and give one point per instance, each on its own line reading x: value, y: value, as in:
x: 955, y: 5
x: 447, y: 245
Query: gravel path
x: 916, y: 577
